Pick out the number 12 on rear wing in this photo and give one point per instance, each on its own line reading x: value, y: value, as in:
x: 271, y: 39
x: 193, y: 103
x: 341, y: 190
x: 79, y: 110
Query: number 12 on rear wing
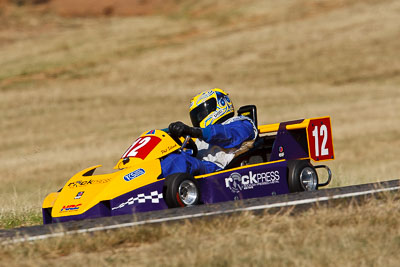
x: 319, y: 136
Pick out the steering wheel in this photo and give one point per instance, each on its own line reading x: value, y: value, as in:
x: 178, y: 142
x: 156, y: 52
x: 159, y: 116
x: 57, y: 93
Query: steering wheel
x: 190, y: 144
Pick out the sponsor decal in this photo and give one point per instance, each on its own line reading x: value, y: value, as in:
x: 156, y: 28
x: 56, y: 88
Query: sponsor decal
x: 236, y: 182
x: 134, y: 174
x: 215, y: 115
x: 154, y: 197
x: 82, y: 183
x: 163, y: 151
x: 151, y: 132
x: 219, y: 113
x: 281, y: 152
x: 79, y: 195
x: 70, y: 208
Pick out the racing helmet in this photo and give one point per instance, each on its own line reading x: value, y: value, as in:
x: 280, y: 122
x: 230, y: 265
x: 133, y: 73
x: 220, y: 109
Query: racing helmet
x: 210, y: 107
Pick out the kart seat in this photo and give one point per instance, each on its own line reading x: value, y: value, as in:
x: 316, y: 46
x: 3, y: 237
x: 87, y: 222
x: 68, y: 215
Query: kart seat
x: 248, y: 155
x: 259, y: 153
x: 249, y: 111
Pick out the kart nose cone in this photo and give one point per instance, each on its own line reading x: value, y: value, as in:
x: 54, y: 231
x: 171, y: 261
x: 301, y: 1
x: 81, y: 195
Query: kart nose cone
x: 309, y: 179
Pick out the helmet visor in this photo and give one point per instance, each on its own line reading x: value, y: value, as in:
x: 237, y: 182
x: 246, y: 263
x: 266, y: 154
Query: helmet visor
x: 203, y: 110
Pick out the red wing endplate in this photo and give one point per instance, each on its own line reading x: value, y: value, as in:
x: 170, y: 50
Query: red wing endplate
x: 320, y: 142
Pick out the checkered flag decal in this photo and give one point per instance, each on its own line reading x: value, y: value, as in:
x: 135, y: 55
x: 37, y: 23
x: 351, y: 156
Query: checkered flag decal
x: 154, y: 197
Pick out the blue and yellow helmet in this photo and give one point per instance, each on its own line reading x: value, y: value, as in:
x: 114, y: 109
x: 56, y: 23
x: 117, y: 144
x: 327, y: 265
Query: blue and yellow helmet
x: 210, y: 107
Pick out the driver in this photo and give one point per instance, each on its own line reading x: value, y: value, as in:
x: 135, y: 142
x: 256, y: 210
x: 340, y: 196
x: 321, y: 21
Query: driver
x: 220, y: 135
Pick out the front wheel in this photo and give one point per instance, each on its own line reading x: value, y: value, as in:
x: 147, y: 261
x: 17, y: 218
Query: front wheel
x: 302, y: 176
x: 181, y: 190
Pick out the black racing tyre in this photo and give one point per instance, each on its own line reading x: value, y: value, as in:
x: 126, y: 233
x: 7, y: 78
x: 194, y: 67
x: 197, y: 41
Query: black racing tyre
x: 181, y: 190
x: 302, y: 176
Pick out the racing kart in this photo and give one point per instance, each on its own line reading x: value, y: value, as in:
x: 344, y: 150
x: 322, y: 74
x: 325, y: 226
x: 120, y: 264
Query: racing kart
x: 279, y: 162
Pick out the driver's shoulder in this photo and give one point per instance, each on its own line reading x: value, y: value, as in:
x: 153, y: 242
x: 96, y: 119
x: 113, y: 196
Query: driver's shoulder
x: 237, y: 119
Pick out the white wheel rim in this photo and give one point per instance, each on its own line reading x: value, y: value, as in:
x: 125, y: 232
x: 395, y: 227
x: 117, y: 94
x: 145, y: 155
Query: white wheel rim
x: 309, y: 179
x: 188, y: 192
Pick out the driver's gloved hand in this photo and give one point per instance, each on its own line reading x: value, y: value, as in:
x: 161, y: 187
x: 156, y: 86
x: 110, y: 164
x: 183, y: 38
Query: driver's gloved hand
x: 180, y: 129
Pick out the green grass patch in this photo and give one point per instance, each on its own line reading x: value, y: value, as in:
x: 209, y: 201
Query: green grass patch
x: 10, y: 220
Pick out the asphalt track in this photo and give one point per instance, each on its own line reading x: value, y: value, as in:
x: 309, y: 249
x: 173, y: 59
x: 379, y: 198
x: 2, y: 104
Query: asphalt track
x: 296, y: 202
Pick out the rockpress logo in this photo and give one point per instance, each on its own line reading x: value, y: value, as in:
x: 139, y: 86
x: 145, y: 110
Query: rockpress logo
x: 88, y: 182
x: 236, y: 182
x: 134, y: 174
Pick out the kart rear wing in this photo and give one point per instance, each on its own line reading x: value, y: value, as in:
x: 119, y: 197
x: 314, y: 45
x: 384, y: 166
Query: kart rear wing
x: 318, y: 132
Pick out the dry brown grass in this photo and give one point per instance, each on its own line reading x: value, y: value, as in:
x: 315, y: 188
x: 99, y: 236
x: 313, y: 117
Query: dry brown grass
x: 75, y: 92
x: 367, y: 235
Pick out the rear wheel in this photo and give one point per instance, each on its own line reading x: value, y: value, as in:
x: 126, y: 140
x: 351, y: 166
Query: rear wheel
x: 181, y: 190
x: 302, y: 176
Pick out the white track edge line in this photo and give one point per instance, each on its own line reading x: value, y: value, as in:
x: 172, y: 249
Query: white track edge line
x: 259, y: 207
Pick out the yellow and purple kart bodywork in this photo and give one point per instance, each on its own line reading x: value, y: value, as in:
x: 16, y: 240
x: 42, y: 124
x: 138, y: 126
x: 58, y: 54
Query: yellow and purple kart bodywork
x: 279, y: 163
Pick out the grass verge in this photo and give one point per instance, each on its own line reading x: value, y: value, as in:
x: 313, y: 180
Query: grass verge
x: 366, y: 235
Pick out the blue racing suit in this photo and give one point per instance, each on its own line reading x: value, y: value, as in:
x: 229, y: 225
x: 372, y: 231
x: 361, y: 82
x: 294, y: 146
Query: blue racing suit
x: 220, y: 141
